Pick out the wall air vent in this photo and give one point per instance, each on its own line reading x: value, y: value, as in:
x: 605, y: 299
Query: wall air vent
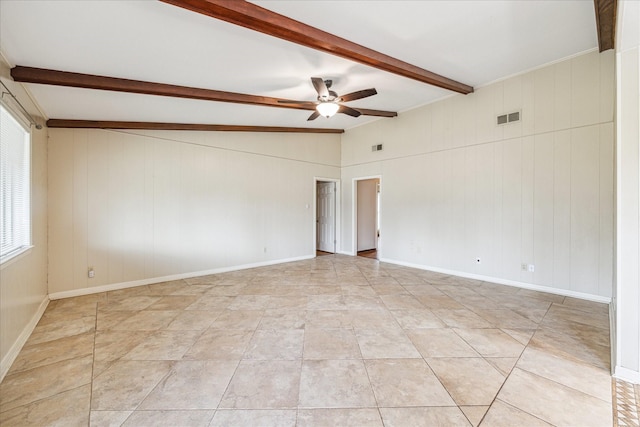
x: 377, y: 147
x: 508, y: 118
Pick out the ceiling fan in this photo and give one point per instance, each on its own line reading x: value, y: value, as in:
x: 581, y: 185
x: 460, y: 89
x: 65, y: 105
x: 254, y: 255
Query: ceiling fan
x: 329, y: 103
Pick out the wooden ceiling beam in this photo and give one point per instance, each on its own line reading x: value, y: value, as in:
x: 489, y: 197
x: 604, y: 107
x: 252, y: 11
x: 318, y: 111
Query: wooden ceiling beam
x: 259, y: 19
x: 90, y: 81
x: 606, y: 23
x: 100, y: 124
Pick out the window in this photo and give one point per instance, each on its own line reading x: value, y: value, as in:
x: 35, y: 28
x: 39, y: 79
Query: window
x: 15, y: 186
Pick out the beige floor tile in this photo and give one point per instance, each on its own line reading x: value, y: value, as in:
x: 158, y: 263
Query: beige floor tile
x: 275, y: 344
x: 474, y: 413
x: 163, y: 345
x: 61, y: 329
x: 372, y: 319
x: 523, y: 336
x: 352, y: 417
x: 422, y: 290
x: 112, y: 345
x: 108, y: 418
x: 23, y: 388
x: 53, y: 351
x: 585, y: 378
x: 326, y: 302
x: 406, y: 382
x: 263, y: 384
x: 168, y: 418
x: 238, y: 319
x: 504, y: 365
x: 327, y: 319
x: 358, y: 289
x: 287, y: 302
x: 126, y: 383
x: 209, y: 302
x: 283, y: 319
x: 132, y: 303
x: 574, y: 346
x: 218, y: 328
x: 553, y: 402
x: 335, y: 384
x: 254, y: 417
x: 68, y: 312
x: 191, y: 385
x: 417, y: 319
x: 127, y: 293
x: 559, y: 314
x: 108, y: 319
x: 168, y: 288
x: 401, y: 302
x: 363, y: 302
x: 385, y: 343
x: 250, y: 302
x: 588, y: 306
x: 222, y: 290
x: 461, y: 318
x: 423, y: 417
x: 440, y: 343
x: 191, y: 320
x: 147, y: 321
x: 491, y: 342
x: 503, y: 415
x: 331, y: 344
x: 219, y: 344
x: 470, y: 381
x: 505, y: 318
x: 173, y: 302
x: 387, y: 286
x: 69, y: 408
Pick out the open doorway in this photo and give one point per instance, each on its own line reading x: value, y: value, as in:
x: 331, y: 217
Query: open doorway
x: 326, y: 217
x: 367, y: 215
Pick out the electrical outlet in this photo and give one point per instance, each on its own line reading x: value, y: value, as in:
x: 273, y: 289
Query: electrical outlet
x: 91, y: 273
x: 523, y: 267
x: 531, y: 268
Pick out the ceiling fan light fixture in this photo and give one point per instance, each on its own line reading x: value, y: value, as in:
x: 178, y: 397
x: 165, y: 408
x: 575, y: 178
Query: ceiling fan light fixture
x: 327, y: 109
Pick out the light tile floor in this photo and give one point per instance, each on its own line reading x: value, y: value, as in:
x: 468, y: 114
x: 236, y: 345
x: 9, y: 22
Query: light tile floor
x: 333, y: 341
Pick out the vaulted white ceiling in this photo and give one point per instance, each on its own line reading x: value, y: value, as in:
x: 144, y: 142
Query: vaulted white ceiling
x: 474, y: 42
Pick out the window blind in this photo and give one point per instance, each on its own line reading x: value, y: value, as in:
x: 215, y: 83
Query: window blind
x: 15, y: 186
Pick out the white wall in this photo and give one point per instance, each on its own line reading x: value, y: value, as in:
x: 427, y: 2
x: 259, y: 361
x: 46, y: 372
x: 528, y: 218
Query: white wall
x: 23, y: 280
x: 457, y: 187
x: 627, y: 306
x: 141, y: 206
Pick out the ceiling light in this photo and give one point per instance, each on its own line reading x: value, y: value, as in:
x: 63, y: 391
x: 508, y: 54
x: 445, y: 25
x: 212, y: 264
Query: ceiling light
x: 327, y: 109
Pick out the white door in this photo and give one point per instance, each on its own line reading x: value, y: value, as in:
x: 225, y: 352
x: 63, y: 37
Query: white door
x: 326, y: 217
x: 367, y: 214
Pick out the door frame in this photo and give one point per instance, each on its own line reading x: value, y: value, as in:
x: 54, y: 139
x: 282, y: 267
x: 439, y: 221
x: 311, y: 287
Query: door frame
x: 354, y: 213
x: 316, y: 180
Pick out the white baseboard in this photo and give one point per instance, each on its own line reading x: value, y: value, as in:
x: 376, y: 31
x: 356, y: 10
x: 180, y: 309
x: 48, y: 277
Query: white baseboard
x: 627, y: 375
x: 13, y: 352
x: 515, y: 283
x: 152, y: 280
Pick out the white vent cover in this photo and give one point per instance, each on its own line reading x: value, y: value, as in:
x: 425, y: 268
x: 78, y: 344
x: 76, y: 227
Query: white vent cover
x: 377, y: 147
x: 508, y: 118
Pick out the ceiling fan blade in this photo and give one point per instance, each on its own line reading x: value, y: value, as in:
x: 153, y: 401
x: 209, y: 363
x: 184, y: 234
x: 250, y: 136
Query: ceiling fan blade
x: 358, y: 95
x: 291, y: 101
x: 321, y: 88
x: 349, y: 111
x: 313, y: 116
